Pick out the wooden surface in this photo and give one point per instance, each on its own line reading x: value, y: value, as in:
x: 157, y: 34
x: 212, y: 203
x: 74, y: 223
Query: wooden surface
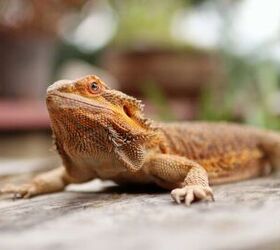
x: 100, y: 215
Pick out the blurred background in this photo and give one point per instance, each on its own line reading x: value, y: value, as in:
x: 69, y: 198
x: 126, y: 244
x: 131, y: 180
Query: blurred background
x: 187, y: 60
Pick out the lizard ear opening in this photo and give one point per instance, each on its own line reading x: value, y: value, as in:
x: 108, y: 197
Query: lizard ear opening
x: 127, y: 111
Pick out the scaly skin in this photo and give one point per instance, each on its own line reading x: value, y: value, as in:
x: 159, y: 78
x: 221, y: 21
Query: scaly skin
x: 102, y: 133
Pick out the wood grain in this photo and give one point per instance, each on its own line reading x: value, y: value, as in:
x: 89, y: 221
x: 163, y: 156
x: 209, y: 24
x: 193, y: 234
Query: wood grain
x: 101, y: 215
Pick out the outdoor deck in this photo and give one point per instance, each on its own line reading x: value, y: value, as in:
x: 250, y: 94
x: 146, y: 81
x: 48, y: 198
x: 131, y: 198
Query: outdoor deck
x: 100, y: 215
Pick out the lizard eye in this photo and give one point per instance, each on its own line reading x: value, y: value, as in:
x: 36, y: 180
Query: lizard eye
x: 94, y: 87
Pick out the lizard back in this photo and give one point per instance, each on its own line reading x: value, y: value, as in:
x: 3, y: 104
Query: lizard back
x: 224, y: 150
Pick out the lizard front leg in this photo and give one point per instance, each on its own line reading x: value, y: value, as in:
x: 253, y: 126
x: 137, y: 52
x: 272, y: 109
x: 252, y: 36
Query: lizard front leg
x: 188, y: 178
x: 52, y: 181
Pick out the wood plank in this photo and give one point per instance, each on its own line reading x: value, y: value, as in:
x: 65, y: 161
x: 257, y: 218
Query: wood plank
x: 99, y: 215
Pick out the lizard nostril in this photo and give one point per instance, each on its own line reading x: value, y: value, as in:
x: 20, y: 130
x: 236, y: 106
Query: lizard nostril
x: 58, y: 85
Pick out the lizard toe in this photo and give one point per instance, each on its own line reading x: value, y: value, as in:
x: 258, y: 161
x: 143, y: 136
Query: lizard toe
x: 189, y: 197
x: 23, y: 191
x: 189, y: 194
x: 31, y: 191
x: 178, y: 195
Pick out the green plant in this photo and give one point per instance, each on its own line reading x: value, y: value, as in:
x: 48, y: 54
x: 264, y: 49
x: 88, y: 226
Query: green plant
x: 247, y: 94
x: 143, y: 22
x: 157, y: 97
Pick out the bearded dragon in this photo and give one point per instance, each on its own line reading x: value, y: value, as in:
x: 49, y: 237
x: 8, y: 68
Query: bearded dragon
x: 102, y: 133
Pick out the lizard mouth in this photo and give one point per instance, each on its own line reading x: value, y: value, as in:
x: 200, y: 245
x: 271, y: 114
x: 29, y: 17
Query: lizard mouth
x: 77, y: 100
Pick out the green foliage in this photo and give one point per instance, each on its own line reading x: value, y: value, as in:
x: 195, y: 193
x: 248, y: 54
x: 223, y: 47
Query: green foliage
x: 247, y: 95
x: 251, y: 83
x: 157, y: 97
x: 142, y: 22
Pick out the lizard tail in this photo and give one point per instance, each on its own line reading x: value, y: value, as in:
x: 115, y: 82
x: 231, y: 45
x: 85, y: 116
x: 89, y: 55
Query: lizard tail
x: 270, y: 145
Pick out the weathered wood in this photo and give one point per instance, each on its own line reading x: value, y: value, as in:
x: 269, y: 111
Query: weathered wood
x: 18, y: 166
x: 99, y: 215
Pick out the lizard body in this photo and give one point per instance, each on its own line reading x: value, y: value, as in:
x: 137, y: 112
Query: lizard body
x: 102, y: 133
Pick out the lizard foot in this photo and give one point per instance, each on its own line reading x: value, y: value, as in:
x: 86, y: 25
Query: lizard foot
x: 191, y: 193
x: 23, y: 191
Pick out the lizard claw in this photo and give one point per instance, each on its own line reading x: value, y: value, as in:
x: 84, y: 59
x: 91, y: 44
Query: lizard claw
x: 191, y: 193
x: 24, y: 191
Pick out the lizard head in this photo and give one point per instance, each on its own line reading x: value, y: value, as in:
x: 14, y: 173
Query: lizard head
x: 108, y: 121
